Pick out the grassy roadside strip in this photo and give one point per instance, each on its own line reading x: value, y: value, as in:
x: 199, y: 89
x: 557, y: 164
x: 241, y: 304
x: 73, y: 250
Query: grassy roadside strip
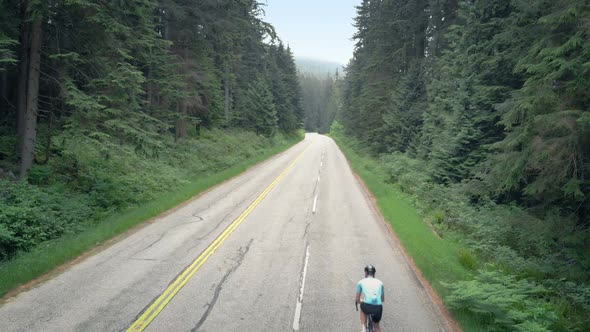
x: 52, y: 254
x: 437, y: 259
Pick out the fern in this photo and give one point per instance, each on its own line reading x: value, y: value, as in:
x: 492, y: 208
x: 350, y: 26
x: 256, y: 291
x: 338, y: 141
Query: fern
x: 504, y: 301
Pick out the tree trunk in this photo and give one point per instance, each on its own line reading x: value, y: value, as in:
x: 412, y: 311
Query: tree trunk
x: 3, y: 83
x: 48, y: 142
x: 23, y: 73
x: 180, y: 129
x: 227, y: 96
x: 198, y: 128
x: 420, y: 30
x: 181, y: 126
x: 29, y: 128
x: 165, y: 29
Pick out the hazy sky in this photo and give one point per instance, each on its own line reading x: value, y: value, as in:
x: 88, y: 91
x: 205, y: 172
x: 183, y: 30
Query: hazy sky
x: 319, y: 29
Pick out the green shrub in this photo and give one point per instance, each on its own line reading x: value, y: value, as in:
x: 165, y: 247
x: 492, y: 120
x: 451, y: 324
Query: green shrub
x: 7, y: 143
x: 467, y: 259
x: 336, y: 129
x: 572, y: 302
x: 39, y: 175
x: 439, y: 217
x: 30, y: 215
x: 8, y: 242
x: 504, y: 302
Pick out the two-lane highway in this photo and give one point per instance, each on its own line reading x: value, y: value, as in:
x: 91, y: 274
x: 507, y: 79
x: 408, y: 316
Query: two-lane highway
x: 277, y: 248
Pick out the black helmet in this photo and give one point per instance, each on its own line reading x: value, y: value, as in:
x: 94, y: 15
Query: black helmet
x: 370, y: 269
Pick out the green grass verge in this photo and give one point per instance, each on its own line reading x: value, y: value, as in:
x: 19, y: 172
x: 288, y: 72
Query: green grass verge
x: 438, y: 259
x: 27, y: 266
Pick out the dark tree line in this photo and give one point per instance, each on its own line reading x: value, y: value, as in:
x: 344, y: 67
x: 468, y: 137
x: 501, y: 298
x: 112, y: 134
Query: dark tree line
x: 495, y: 93
x: 129, y: 72
x: 321, y: 100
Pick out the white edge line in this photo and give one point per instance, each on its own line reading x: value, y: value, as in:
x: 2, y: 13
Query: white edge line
x: 297, y: 316
x: 315, y: 203
x: 304, y: 274
x: 299, y: 304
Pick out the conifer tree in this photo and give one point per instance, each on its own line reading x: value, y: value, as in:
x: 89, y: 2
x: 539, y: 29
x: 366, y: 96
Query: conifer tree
x: 494, y: 92
x: 545, y: 152
x: 258, y: 109
x: 133, y: 72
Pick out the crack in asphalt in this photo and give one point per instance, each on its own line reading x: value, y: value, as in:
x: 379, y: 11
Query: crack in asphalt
x: 225, y: 194
x: 290, y: 220
x: 241, y: 253
x: 193, y: 221
x: 308, y: 217
x: 198, y: 214
x: 151, y: 244
x: 204, y: 236
x: 308, y: 221
x: 199, y: 219
x: 306, y: 230
x: 215, y: 227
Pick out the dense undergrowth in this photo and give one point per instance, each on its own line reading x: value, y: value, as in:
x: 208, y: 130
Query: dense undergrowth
x: 519, y: 272
x: 86, y: 184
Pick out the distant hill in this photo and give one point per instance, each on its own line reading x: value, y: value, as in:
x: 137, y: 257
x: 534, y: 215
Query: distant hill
x: 318, y: 67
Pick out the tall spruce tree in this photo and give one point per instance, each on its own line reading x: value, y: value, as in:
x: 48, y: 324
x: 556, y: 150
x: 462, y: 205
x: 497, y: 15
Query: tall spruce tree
x: 489, y: 91
x: 466, y: 83
x: 545, y: 152
x: 133, y: 72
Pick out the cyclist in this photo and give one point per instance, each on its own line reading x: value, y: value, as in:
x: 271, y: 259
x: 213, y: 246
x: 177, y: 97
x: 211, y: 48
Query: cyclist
x: 370, y: 294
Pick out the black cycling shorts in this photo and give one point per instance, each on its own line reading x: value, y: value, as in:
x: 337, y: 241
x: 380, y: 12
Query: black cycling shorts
x: 375, y: 310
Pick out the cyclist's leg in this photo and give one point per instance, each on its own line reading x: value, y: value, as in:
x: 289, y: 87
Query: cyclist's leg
x: 377, y: 319
x: 363, y: 316
x: 377, y: 327
x: 363, y: 319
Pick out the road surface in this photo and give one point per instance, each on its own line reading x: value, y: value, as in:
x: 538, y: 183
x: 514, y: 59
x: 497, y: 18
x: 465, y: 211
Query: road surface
x: 278, y: 248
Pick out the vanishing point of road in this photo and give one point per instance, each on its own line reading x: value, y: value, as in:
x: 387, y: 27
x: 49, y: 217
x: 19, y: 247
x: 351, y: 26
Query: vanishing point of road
x: 278, y: 248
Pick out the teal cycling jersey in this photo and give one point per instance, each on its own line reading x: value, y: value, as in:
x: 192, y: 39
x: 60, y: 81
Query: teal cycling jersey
x: 372, y: 290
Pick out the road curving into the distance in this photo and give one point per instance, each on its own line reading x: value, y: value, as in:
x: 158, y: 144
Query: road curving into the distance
x: 278, y: 248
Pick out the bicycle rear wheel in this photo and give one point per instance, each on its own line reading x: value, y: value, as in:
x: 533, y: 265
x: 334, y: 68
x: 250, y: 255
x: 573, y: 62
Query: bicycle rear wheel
x: 370, y: 327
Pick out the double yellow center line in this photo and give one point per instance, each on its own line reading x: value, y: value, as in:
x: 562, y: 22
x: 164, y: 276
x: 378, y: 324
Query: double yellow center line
x: 162, y: 301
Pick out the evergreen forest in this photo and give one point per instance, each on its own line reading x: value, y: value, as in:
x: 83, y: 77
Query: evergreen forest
x: 320, y: 99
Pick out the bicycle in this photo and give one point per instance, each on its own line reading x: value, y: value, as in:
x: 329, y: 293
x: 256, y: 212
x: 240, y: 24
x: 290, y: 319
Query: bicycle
x: 369, y: 327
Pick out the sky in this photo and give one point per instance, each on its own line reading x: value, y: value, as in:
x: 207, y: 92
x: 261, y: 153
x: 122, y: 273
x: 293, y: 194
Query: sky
x: 316, y: 29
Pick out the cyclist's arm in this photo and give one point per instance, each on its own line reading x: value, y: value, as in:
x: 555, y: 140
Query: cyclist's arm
x: 382, y: 293
x: 359, y: 289
x: 358, y: 298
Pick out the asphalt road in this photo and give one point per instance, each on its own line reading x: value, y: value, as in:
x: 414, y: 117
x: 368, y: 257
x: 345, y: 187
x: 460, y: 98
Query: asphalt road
x: 291, y: 263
